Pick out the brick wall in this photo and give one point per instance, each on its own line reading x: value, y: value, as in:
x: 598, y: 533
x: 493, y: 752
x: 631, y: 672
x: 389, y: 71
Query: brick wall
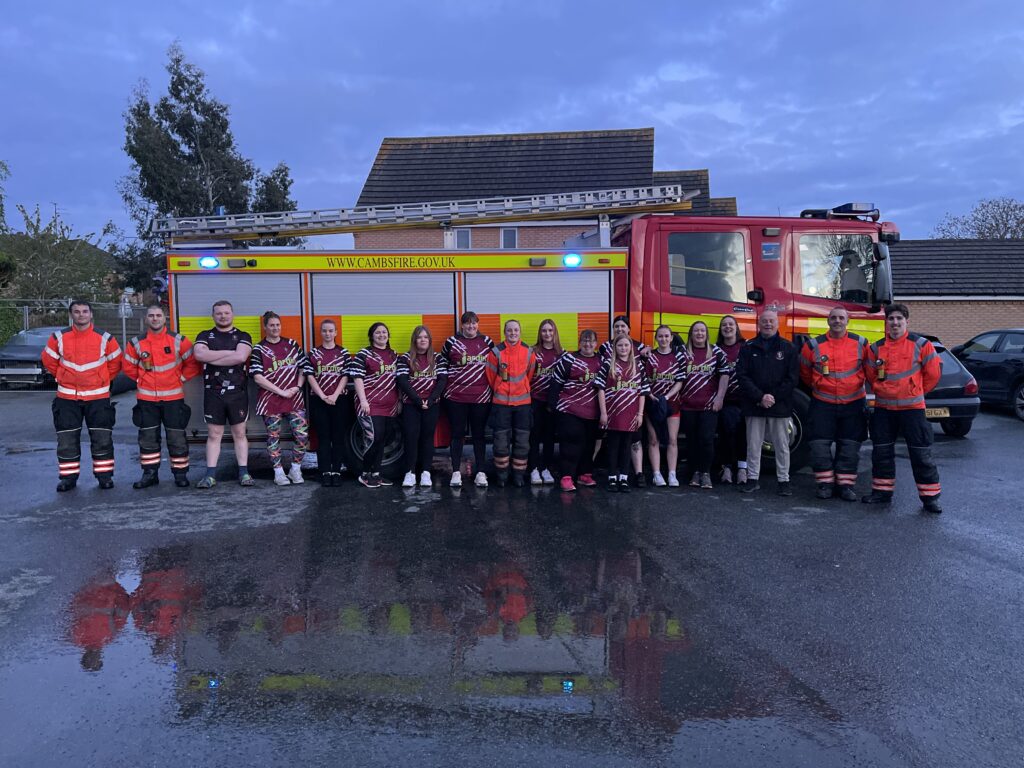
x: 955, y: 322
x: 482, y: 237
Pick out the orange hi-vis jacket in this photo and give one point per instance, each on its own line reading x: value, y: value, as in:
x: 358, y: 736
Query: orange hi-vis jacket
x: 834, y: 368
x: 510, y: 367
x: 83, y: 362
x: 160, y: 363
x: 902, y: 371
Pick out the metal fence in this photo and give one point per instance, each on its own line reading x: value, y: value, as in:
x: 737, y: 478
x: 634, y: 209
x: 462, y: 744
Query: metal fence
x: 121, y: 320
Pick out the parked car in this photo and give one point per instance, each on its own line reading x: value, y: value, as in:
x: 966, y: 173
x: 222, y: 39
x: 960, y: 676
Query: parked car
x: 954, y: 402
x: 21, y: 365
x: 20, y: 358
x: 996, y: 360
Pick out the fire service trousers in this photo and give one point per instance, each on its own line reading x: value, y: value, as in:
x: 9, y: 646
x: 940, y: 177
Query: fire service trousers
x: 844, y: 424
x: 886, y: 427
x: 98, y: 416
x: 173, y: 415
x: 511, y: 435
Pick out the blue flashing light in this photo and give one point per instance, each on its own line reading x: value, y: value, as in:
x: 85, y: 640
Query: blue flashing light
x: 209, y: 262
x: 572, y: 260
x: 213, y: 683
x: 567, y: 686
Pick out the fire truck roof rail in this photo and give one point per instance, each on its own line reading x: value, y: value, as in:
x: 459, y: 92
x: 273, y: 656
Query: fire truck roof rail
x: 846, y: 211
x: 251, y: 226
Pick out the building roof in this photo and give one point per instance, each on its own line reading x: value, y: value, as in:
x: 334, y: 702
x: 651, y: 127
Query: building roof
x: 703, y: 204
x: 958, y: 268
x: 473, y: 167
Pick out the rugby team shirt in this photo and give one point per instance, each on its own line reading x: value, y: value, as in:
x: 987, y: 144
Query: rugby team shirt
x: 223, y: 379
x: 702, y: 368
x: 575, y: 373
x: 329, y: 367
x: 421, y: 378
x: 467, y: 368
x: 622, y: 392
x: 546, y: 359
x: 281, y: 363
x: 378, y: 369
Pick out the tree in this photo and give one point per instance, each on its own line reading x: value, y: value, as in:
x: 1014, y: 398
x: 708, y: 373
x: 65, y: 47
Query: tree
x: 184, y: 161
x: 999, y: 218
x: 5, y: 173
x: 273, y: 193
x: 49, y: 261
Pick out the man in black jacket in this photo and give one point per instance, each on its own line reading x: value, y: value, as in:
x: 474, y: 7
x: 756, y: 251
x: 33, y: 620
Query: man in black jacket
x: 768, y: 370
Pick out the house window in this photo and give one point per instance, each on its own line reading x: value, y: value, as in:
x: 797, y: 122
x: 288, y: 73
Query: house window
x: 510, y: 238
x: 837, y: 267
x: 709, y: 265
x: 463, y: 238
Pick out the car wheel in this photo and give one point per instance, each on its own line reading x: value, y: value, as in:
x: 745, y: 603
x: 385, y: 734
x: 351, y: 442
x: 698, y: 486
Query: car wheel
x: 1018, y: 401
x: 956, y: 427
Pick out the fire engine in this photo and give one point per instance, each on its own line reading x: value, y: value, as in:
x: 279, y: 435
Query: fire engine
x: 643, y: 260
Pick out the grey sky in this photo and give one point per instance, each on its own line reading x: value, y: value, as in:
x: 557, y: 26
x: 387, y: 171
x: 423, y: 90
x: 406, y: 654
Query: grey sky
x: 789, y: 104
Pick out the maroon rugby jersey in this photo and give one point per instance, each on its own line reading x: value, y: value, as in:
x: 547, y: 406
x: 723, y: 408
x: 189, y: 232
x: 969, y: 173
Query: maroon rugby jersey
x: 467, y: 368
x: 421, y: 378
x: 281, y: 363
x: 329, y: 367
x: 732, y: 354
x: 622, y: 392
x: 377, y: 368
x: 575, y: 374
x: 664, y: 369
x: 702, y: 369
x: 546, y: 359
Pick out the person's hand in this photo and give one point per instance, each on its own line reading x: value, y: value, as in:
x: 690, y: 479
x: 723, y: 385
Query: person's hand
x: 603, y: 421
x: 635, y: 424
x: 364, y: 407
x: 332, y: 399
x: 425, y: 405
x: 716, y: 406
x: 767, y: 401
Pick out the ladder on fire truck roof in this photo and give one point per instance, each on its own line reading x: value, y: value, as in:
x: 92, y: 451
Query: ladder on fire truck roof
x: 445, y: 214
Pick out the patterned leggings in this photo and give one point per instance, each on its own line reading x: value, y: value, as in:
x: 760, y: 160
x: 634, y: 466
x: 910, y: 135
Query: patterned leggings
x: 300, y: 434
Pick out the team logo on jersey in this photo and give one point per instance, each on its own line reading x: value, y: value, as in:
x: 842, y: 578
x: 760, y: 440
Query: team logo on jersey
x: 779, y: 355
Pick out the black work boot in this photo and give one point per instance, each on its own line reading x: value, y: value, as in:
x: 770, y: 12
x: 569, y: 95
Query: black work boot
x: 181, y: 479
x: 518, y: 480
x: 846, y: 493
x: 66, y: 484
x: 149, y: 477
x: 106, y: 482
x: 877, y: 497
x: 824, y: 491
x: 500, y: 478
x: 931, y: 504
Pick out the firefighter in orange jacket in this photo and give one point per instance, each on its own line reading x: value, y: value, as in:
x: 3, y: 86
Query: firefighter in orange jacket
x: 832, y: 366
x: 160, y: 362
x: 901, y: 369
x: 83, y: 361
x: 510, y: 367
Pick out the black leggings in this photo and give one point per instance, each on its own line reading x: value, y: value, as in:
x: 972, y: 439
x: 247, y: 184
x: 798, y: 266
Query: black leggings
x: 732, y: 436
x: 375, y: 453
x: 475, y: 414
x: 418, y: 436
x: 576, y: 444
x: 543, y: 432
x: 331, y: 425
x: 699, y: 427
x: 619, y: 452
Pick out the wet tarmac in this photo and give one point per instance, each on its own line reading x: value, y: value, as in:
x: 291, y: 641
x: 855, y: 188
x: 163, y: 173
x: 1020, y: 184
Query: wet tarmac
x: 324, y: 626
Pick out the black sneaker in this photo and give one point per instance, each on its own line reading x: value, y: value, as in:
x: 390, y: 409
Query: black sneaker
x: 380, y: 479
x: 932, y: 505
x: 877, y: 497
x: 846, y: 493
x: 640, y: 480
x: 824, y: 491
x: 784, y: 489
x: 368, y: 480
x: 613, y: 485
x: 750, y: 486
x: 624, y: 485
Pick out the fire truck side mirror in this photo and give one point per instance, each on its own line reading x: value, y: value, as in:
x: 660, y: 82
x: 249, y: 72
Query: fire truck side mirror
x: 756, y: 295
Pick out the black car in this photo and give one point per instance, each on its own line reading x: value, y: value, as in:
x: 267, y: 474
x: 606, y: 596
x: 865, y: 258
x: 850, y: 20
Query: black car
x: 996, y: 360
x: 954, y: 402
x: 20, y: 361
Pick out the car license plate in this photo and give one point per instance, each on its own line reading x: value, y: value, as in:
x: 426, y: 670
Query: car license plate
x: 936, y: 413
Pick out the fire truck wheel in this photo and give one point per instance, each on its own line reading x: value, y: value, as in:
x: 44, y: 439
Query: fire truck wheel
x: 799, y: 451
x: 1018, y: 401
x: 392, y: 465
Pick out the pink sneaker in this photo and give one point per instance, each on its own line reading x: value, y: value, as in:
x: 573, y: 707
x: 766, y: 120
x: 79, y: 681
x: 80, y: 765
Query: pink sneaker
x: 587, y: 480
x: 567, y: 484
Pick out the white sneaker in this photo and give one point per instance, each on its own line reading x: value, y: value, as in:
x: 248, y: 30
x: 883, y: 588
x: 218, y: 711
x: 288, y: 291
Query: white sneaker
x: 295, y: 474
x: 425, y: 480
x: 673, y: 481
x: 547, y: 477
x: 409, y: 481
x: 456, y: 480
x: 535, y: 478
x: 727, y: 475
x: 480, y: 481
x: 741, y: 476
x: 658, y: 480
x: 279, y: 476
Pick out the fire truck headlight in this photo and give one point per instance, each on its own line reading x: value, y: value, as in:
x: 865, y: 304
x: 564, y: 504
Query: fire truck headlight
x: 209, y: 262
x: 572, y: 260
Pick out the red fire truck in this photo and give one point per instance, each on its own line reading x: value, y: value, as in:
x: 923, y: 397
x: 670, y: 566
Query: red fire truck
x: 644, y: 261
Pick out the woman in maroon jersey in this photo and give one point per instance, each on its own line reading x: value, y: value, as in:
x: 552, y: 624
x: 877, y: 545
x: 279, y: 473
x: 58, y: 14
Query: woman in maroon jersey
x: 620, y: 327
x: 422, y: 375
x: 374, y: 370
x: 548, y: 349
x: 665, y: 374
x: 279, y: 367
x: 622, y: 387
x: 732, y: 428
x: 571, y: 393
x: 327, y: 410
x: 701, y: 399
x: 467, y: 394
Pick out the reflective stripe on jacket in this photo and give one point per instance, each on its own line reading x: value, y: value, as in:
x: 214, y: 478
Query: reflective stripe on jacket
x: 834, y: 368
x: 902, y: 371
x: 510, y: 368
x: 83, y: 362
x: 160, y: 363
